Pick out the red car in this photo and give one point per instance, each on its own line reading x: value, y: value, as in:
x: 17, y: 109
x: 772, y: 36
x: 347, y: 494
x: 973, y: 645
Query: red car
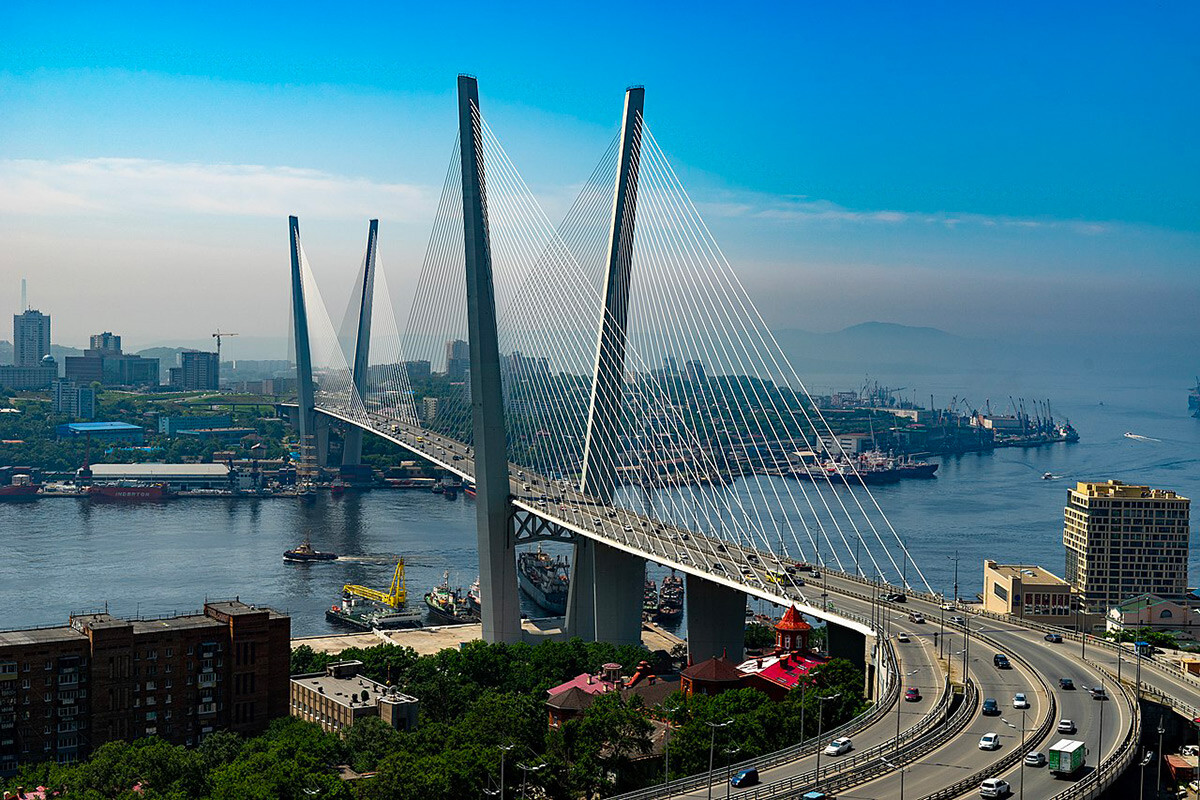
x: 912, y: 694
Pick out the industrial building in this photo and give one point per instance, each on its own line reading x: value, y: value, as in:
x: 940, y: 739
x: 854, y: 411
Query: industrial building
x: 341, y: 695
x: 1123, y: 540
x: 67, y: 690
x: 104, y: 431
x: 178, y: 477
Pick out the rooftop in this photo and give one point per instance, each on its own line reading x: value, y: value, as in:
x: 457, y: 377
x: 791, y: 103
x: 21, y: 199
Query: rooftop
x: 349, y: 691
x: 159, y: 470
x: 91, y: 427
x: 1027, y: 573
x: 1140, y: 602
x: 1117, y: 489
x: 40, y: 636
x: 717, y: 669
x: 786, y: 670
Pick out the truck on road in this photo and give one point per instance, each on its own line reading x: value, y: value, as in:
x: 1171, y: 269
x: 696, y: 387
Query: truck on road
x: 1067, y: 756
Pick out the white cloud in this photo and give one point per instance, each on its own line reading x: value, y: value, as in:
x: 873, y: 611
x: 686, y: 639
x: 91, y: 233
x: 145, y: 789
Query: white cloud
x: 793, y: 209
x: 117, y: 187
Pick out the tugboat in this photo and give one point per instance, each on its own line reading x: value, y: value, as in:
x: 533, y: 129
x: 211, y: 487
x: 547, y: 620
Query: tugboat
x: 450, y: 605
x: 21, y: 490
x: 670, y: 608
x: 475, y: 598
x: 305, y: 552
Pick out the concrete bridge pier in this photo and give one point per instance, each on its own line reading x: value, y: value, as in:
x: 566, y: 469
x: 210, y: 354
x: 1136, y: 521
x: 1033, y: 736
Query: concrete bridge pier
x: 856, y: 648
x: 716, y: 620
x: 604, y: 603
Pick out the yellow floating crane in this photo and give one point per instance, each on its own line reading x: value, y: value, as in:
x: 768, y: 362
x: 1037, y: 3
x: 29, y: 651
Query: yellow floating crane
x: 395, y: 596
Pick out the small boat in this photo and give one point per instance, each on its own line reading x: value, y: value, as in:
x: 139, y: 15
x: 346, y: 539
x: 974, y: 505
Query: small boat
x: 1046, y: 476
x: 337, y: 488
x: 450, y: 605
x: 305, y: 552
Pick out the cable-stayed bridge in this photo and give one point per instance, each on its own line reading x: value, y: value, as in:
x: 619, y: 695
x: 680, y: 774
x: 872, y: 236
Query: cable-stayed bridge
x: 605, y: 381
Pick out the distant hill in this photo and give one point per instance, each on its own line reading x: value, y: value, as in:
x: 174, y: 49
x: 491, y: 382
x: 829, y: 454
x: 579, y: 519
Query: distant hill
x: 882, y: 347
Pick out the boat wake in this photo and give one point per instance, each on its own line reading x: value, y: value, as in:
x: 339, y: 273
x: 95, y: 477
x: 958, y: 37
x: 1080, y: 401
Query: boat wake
x: 1140, y: 438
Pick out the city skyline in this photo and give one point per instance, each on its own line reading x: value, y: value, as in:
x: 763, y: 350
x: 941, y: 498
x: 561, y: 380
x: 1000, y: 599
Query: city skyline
x: 966, y: 170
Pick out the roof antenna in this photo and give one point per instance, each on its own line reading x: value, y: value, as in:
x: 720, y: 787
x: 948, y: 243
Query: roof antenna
x: 24, y: 298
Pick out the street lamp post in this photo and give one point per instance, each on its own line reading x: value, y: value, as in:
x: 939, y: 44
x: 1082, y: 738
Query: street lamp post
x: 712, y: 744
x: 899, y: 769
x: 1021, y: 789
x: 955, y: 560
x: 504, y: 748
x: 525, y: 770
x: 1137, y: 649
x: 667, y: 750
x: 820, y: 724
x: 730, y: 752
x: 1158, y: 765
x: 1146, y: 756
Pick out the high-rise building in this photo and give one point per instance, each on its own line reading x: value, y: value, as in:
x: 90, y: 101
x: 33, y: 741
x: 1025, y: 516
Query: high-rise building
x: 106, y: 342
x: 31, y: 338
x: 1123, y: 540
x: 74, y: 400
x: 458, y: 359
x: 197, y: 370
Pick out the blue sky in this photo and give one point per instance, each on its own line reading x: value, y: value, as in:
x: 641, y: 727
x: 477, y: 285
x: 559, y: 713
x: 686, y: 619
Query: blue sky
x: 929, y: 164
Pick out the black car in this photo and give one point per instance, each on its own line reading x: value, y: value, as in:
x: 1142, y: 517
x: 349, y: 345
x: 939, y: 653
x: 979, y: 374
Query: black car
x: 898, y: 597
x: 1066, y: 683
x: 990, y: 707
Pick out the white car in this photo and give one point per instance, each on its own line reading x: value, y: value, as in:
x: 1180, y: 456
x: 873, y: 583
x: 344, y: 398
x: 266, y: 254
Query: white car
x: 994, y: 787
x: 989, y: 741
x: 1066, y: 726
x: 1020, y: 700
x: 838, y: 746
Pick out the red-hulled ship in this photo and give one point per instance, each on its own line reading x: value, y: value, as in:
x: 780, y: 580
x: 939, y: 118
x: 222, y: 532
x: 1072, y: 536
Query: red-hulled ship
x: 21, y: 490
x: 129, y: 492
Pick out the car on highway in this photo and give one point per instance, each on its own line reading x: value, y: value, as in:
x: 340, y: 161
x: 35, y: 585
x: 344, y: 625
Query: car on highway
x: 1035, y: 759
x: 1053, y: 637
x: 815, y: 795
x: 814, y: 574
x: 917, y: 618
x: 629, y: 527
x: 990, y: 707
x: 948, y: 607
x: 1020, y: 700
x: 747, y: 777
x: 897, y: 597
x: 718, y: 566
x: 1066, y: 683
x: 902, y: 637
x: 1066, y: 726
x: 840, y: 745
x: 803, y: 566
x: 994, y: 787
x: 1000, y: 661
x: 958, y: 620
x: 989, y: 741
x: 912, y: 694
x: 1098, y: 693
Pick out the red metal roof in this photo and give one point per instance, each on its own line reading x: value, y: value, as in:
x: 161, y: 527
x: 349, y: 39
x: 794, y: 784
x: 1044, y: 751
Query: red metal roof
x: 792, y: 621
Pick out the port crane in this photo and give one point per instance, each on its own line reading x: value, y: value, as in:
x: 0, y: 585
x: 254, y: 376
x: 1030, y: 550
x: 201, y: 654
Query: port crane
x: 218, y: 336
x: 394, y: 597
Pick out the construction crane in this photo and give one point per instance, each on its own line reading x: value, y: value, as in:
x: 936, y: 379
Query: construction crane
x: 395, y: 596
x: 218, y: 336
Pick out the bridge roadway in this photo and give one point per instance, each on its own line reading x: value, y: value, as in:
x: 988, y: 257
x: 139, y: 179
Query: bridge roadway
x: 746, y: 570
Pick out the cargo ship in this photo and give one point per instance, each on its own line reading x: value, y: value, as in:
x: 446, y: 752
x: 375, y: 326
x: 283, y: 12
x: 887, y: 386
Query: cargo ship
x: 450, y: 605
x: 874, y: 467
x: 544, y: 579
x: 130, y: 491
x: 21, y: 490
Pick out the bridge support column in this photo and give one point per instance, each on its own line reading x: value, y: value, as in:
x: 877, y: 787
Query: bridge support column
x: 352, y: 440
x: 848, y: 644
x: 716, y: 620
x: 603, y: 579
x: 497, y: 556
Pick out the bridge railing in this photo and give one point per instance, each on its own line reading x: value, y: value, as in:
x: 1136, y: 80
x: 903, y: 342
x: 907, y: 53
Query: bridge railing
x: 865, y: 766
x: 1108, y: 770
x: 1014, y: 755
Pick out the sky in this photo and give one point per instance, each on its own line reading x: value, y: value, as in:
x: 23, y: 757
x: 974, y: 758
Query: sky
x: 1019, y: 170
